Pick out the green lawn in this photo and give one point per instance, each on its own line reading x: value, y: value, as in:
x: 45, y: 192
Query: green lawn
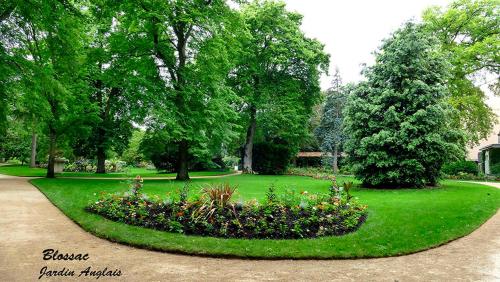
x: 18, y: 170
x: 399, y: 221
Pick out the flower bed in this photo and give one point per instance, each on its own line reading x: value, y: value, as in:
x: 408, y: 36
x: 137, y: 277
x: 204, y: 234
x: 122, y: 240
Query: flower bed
x: 212, y: 213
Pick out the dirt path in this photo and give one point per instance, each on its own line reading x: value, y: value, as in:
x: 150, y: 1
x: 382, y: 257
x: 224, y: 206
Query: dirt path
x: 494, y: 184
x: 29, y: 223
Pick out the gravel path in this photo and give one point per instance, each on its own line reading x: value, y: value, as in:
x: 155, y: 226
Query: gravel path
x: 29, y: 223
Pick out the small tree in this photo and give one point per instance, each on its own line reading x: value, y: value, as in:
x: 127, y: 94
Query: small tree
x: 330, y: 132
x: 398, y: 121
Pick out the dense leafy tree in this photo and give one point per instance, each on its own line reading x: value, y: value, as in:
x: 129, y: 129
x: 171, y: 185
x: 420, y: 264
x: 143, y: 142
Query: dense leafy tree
x: 192, y: 44
x: 469, y: 31
x: 117, y: 80
x: 277, y: 76
x: 15, y: 143
x: 43, y: 39
x: 330, y: 130
x: 397, y: 121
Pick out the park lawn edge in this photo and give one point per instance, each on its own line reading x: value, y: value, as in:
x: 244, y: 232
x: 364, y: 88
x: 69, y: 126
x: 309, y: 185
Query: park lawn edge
x: 181, y: 249
x: 110, y: 175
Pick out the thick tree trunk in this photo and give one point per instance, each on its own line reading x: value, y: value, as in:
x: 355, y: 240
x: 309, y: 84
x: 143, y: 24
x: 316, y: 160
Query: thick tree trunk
x: 335, y: 159
x: 182, y: 166
x: 52, y: 153
x: 248, y: 148
x: 33, y: 149
x: 101, y: 160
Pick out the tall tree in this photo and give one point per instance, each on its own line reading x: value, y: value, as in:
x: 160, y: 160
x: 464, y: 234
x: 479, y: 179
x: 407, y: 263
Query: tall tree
x: 277, y: 75
x: 192, y: 44
x: 398, y: 120
x: 43, y: 39
x: 469, y: 31
x: 117, y: 80
x: 330, y: 130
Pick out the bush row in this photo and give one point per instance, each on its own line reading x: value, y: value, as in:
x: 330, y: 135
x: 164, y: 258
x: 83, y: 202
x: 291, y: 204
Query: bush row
x: 84, y: 165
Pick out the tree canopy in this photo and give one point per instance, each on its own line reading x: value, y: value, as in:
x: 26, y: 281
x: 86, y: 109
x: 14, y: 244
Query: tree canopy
x: 277, y: 76
x: 469, y: 33
x: 397, y: 121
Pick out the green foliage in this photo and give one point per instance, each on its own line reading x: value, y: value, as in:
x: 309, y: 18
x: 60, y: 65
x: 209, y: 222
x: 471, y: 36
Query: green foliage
x: 293, y: 216
x: 455, y: 168
x: 495, y: 169
x: 277, y: 75
x: 271, y: 158
x: 398, y: 120
x: 191, y: 46
x: 156, y: 147
x: 271, y: 194
x: 330, y: 132
x: 16, y: 143
x: 133, y: 154
x: 494, y: 155
x: 45, y: 47
x: 469, y: 33
x: 314, y: 172
x: 85, y: 165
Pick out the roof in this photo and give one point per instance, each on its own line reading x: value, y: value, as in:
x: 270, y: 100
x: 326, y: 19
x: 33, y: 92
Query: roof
x: 311, y: 154
x: 491, y: 146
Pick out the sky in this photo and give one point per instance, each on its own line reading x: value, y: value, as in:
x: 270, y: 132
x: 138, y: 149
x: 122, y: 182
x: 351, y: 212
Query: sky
x: 352, y: 29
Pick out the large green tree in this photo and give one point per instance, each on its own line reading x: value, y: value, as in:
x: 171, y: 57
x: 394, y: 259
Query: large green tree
x: 43, y: 40
x: 117, y: 81
x: 277, y: 76
x: 469, y: 32
x: 192, y: 44
x: 398, y: 120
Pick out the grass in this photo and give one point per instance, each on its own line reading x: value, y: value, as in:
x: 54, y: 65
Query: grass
x: 25, y: 171
x: 399, y: 221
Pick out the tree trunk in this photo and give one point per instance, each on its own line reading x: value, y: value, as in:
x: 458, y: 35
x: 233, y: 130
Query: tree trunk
x: 248, y: 148
x: 52, y: 153
x: 182, y: 166
x: 335, y: 159
x: 101, y: 160
x: 33, y: 149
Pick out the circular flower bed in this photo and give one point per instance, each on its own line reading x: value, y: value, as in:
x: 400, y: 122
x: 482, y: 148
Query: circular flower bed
x: 212, y: 213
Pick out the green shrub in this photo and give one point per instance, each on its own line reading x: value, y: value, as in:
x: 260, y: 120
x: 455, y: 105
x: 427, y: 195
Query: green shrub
x: 469, y: 167
x: 271, y: 158
x: 495, y: 169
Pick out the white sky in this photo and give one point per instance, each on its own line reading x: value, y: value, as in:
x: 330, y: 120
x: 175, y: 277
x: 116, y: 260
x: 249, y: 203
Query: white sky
x: 352, y: 29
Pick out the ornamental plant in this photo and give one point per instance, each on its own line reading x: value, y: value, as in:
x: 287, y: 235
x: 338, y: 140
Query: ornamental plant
x: 398, y: 121
x: 280, y: 216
